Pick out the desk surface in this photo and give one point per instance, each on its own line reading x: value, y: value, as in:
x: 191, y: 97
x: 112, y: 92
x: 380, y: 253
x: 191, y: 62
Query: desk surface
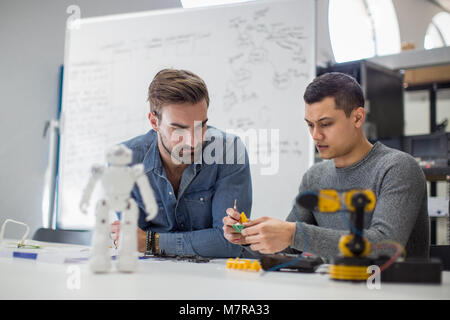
x: 174, y: 280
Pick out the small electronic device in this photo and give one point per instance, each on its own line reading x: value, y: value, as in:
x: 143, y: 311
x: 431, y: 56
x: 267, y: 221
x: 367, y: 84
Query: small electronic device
x: 292, y: 262
x: 242, y: 219
x: 239, y: 226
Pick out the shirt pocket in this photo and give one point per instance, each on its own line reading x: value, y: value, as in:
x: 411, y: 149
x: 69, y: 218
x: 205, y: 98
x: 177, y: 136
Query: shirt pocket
x: 199, y: 206
x: 160, y: 221
x: 161, y: 210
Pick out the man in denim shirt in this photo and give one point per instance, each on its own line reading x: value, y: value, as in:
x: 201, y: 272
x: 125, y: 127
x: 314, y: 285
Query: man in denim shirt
x: 196, y: 171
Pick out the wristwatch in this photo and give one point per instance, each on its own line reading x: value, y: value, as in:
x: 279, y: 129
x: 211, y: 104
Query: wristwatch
x: 152, y: 243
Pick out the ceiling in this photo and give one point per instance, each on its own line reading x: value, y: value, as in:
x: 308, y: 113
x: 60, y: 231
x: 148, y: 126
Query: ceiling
x: 444, y: 4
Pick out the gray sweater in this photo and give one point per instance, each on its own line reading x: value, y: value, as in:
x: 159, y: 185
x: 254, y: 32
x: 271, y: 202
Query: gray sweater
x: 400, y: 213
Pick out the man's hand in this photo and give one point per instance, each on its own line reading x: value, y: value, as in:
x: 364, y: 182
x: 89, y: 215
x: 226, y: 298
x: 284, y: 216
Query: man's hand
x: 141, y: 236
x: 268, y: 235
x: 229, y: 233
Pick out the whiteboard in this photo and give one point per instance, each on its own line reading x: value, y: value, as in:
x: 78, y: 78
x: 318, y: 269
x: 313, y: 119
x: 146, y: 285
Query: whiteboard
x: 256, y: 59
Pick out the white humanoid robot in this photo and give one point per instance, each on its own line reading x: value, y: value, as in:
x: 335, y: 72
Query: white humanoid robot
x: 118, y: 180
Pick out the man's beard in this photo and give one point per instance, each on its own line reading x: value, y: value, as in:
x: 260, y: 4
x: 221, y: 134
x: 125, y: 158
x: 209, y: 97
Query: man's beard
x: 184, y: 154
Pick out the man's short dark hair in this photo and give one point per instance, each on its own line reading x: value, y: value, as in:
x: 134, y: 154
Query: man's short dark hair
x: 173, y: 86
x: 345, y: 90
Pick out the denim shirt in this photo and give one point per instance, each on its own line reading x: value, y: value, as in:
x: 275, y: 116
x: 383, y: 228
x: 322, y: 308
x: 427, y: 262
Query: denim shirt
x: 191, y: 223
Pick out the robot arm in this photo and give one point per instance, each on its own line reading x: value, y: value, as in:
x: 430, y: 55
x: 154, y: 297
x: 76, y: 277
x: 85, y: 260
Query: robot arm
x: 148, y: 197
x: 96, y: 173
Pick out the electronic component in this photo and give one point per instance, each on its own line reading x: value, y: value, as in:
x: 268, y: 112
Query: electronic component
x: 239, y: 226
x: 189, y: 258
x: 117, y: 179
x: 353, y: 262
x: 282, y: 261
x: 243, y: 264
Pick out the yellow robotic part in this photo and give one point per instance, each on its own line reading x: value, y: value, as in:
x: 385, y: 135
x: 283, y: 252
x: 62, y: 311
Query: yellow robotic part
x: 343, y: 248
x: 329, y: 200
x: 348, y: 272
x: 243, y: 264
x: 369, y: 194
x: 352, y: 263
x: 229, y: 263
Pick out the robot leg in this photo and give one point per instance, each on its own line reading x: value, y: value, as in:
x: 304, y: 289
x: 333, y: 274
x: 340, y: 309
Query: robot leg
x: 100, y: 260
x: 127, y: 257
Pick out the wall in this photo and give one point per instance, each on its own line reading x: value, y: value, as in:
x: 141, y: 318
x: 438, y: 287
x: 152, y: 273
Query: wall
x: 414, y: 16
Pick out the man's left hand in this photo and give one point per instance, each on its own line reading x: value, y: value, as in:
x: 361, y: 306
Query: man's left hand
x: 268, y: 235
x: 141, y: 236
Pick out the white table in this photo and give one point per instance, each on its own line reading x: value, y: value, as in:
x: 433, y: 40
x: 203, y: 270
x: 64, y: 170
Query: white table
x: 182, y: 280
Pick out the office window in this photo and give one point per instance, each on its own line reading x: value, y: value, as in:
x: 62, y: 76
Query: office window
x: 204, y: 3
x: 438, y: 32
x: 362, y: 29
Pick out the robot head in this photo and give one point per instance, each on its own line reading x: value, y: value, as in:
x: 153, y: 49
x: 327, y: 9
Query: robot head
x: 119, y: 155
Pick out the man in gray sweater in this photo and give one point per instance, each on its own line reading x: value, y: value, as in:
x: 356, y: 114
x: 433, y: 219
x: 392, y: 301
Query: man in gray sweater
x: 334, y: 113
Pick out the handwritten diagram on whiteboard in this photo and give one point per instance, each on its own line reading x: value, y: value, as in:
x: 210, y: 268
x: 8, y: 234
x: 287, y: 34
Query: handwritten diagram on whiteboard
x: 255, y: 58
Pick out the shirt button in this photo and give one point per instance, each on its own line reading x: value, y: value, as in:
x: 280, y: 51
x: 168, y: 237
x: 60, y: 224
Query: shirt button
x: 201, y: 199
x: 170, y: 193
